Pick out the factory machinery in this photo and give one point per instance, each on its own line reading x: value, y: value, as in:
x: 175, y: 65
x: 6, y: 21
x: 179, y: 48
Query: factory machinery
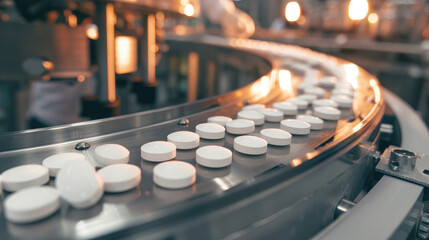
x: 348, y: 180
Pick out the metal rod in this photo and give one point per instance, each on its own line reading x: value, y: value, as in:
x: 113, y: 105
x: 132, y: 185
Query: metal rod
x: 106, y: 52
x: 193, y: 60
x: 149, y: 49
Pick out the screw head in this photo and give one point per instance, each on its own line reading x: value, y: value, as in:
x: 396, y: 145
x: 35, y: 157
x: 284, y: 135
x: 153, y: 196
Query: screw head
x: 183, y: 122
x: 82, y: 146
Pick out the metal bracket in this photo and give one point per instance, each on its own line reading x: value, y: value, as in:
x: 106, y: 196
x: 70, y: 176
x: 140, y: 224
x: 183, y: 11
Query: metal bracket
x: 406, y: 165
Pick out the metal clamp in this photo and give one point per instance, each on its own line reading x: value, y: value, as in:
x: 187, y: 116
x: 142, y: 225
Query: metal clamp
x: 405, y: 165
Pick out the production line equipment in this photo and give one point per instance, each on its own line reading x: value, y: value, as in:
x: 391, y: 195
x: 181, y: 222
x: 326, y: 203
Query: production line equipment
x: 314, y: 147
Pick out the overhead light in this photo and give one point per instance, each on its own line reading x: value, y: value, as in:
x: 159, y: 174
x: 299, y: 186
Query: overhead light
x: 358, y: 9
x: 373, y: 18
x: 189, y: 10
x: 292, y: 11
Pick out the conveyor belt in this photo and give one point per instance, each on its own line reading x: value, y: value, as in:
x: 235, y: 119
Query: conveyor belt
x: 149, y: 206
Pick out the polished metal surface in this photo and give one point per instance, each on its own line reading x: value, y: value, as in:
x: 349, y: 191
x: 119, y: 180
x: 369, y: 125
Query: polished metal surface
x: 374, y: 217
x: 344, y: 206
x: 402, y: 160
x: 412, y: 167
x: 148, y: 206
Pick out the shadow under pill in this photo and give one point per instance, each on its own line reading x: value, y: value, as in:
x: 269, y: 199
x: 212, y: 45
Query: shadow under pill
x: 35, y: 230
x: 211, y: 173
x: 123, y: 197
x: 86, y: 213
x: 248, y: 160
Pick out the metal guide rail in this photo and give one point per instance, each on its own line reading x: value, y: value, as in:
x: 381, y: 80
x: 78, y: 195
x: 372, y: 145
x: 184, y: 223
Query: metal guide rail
x: 149, y: 205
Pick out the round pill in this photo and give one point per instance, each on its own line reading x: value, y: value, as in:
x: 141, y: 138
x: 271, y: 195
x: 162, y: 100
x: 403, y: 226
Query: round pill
x: 325, y: 103
x: 319, y: 92
x: 254, y: 107
x: 272, y: 115
x: 210, y: 131
x: 276, y: 137
x: 32, y: 204
x: 307, y: 97
x: 120, y: 177
x: 327, y: 113
x: 184, y: 139
x: 255, y: 116
x: 55, y: 162
x: 24, y: 176
x: 174, y: 174
x: 108, y: 154
x: 158, y: 151
x: 286, y: 108
x: 240, y: 126
x: 345, y: 86
x: 343, y: 101
x: 221, y: 120
x: 315, y: 122
x: 250, y: 145
x: 327, y: 82
x: 306, y: 84
x: 214, y: 156
x: 296, y: 127
x: 301, y: 104
x: 79, y: 184
x: 346, y: 92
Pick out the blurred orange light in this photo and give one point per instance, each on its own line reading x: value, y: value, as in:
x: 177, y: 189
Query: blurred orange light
x: 285, y: 81
x: 92, y: 32
x: 72, y: 20
x: 376, y: 89
x: 261, y: 88
x: 292, y: 11
x: 296, y: 162
x: 81, y: 78
x: 373, y: 18
x: 358, y: 9
x: 265, y: 86
x: 189, y: 10
x: 352, y: 72
x: 48, y: 65
x: 126, y: 54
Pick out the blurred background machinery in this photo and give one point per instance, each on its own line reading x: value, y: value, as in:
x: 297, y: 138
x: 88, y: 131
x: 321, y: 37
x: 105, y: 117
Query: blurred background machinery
x: 112, y: 48
x: 67, y: 61
x: 388, y: 38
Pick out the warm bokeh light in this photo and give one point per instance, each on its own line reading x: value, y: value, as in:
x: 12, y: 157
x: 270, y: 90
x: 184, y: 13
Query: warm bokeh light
x: 358, y: 9
x: 125, y: 54
x: 296, y: 162
x: 92, y: 32
x: 373, y: 18
x: 261, y: 88
x: 81, y: 78
x: 72, y: 20
x: 189, y: 10
x: 376, y: 88
x: 48, y: 65
x: 352, y: 72
x: 292, y: 11
x: 285, y: 81
x: 265, y: 86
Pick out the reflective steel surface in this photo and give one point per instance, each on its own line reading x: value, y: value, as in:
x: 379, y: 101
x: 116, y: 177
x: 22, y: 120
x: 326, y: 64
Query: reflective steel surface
x: 148, y: 205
